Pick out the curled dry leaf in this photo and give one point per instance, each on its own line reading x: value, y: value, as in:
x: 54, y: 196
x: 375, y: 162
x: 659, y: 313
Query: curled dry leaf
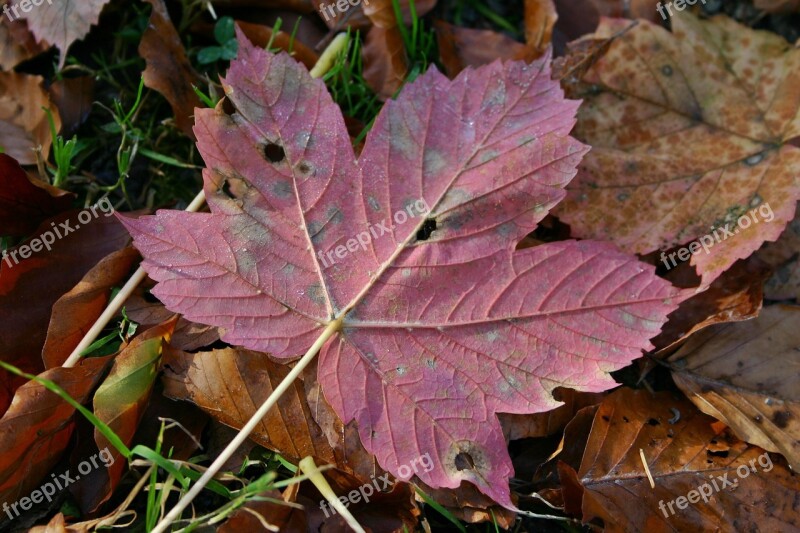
x: 735, y: 296
x: 384, y: 52
x: 23, y: 122
x: 683, y: 457
x: 577, y: 18
x: 540, y: 18
x: 429, y: 348
x: 39, y: 281
x: 552, y: 422
x: 26, y: 203
x: 73, y: 98
x: 745, y: 375
x: 16, y: 44
x: 262, y: 35
x: 169, y: 70
x: 76, y: 311
x: 460, y: 48
x: 688, y: 133
x: 784, y: 257
x: 145, y: 310
x: 120, y: 402
x: 36, y: 428
x: 62, y: 22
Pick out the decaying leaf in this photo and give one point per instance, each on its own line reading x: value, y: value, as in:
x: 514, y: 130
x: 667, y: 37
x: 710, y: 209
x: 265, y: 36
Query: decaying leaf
x: 429, y: 348
x: 40, y: 279
x: 16, y: 43
x: 784, y: 257
x: 467, y: 47
x: 23, y: 122
x: 121, y: 399
x: 231, y: 384
x: 25, y: 203
x: 76, y: 311
x: 745, y: 488
x: 735, y: 296
x: 62, y: 22
x: 36, y: 428
x: 745, y: 375
x: 169, y: 70
x: 688, y: 133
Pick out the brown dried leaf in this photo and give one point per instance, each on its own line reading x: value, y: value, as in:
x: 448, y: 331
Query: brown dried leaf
x: 745, y: 375
x: 540, y: 19
x: 385, y: 61
x: 188, y: 336
x: 683, y: 455
x: 38, y: 281
x: 231, y: 384
x: 24, y: 202
x: 168, y: 68
x: 23, y: 122
x: 37, y: 427
x: 17, y: 44
x: 551, y: 422
x: 735, y: 296
x: 262, y: 35
x: 75, y: 312
x: 460, y: 48
x: 689, y: 132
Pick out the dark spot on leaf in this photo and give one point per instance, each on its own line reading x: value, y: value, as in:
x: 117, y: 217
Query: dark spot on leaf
x: 428, y: 227
x: 605, y: 418
x: 781, y: 419
x: 654, y: 422
x: 304, y: 168
x: 226, y: 189
x: 625, y: 418
x: 758, y: 419
x: 274, y: 153
x: 464, y: 461
x: 666, y: 70
x: 282, y: 189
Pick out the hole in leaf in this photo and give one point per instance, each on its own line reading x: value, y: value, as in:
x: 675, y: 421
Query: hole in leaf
x: 274, y: 153
x: 653, y: 422
x: 226, y: 189
x: 464, y: 461
x: 720, y: 453
x: 428, y: 227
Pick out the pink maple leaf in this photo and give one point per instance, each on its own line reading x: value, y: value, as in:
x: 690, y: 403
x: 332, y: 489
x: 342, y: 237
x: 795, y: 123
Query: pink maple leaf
x: 443, y: 324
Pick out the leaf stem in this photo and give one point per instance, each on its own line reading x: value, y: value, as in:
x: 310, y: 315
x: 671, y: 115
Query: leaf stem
x: 245, y: 432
